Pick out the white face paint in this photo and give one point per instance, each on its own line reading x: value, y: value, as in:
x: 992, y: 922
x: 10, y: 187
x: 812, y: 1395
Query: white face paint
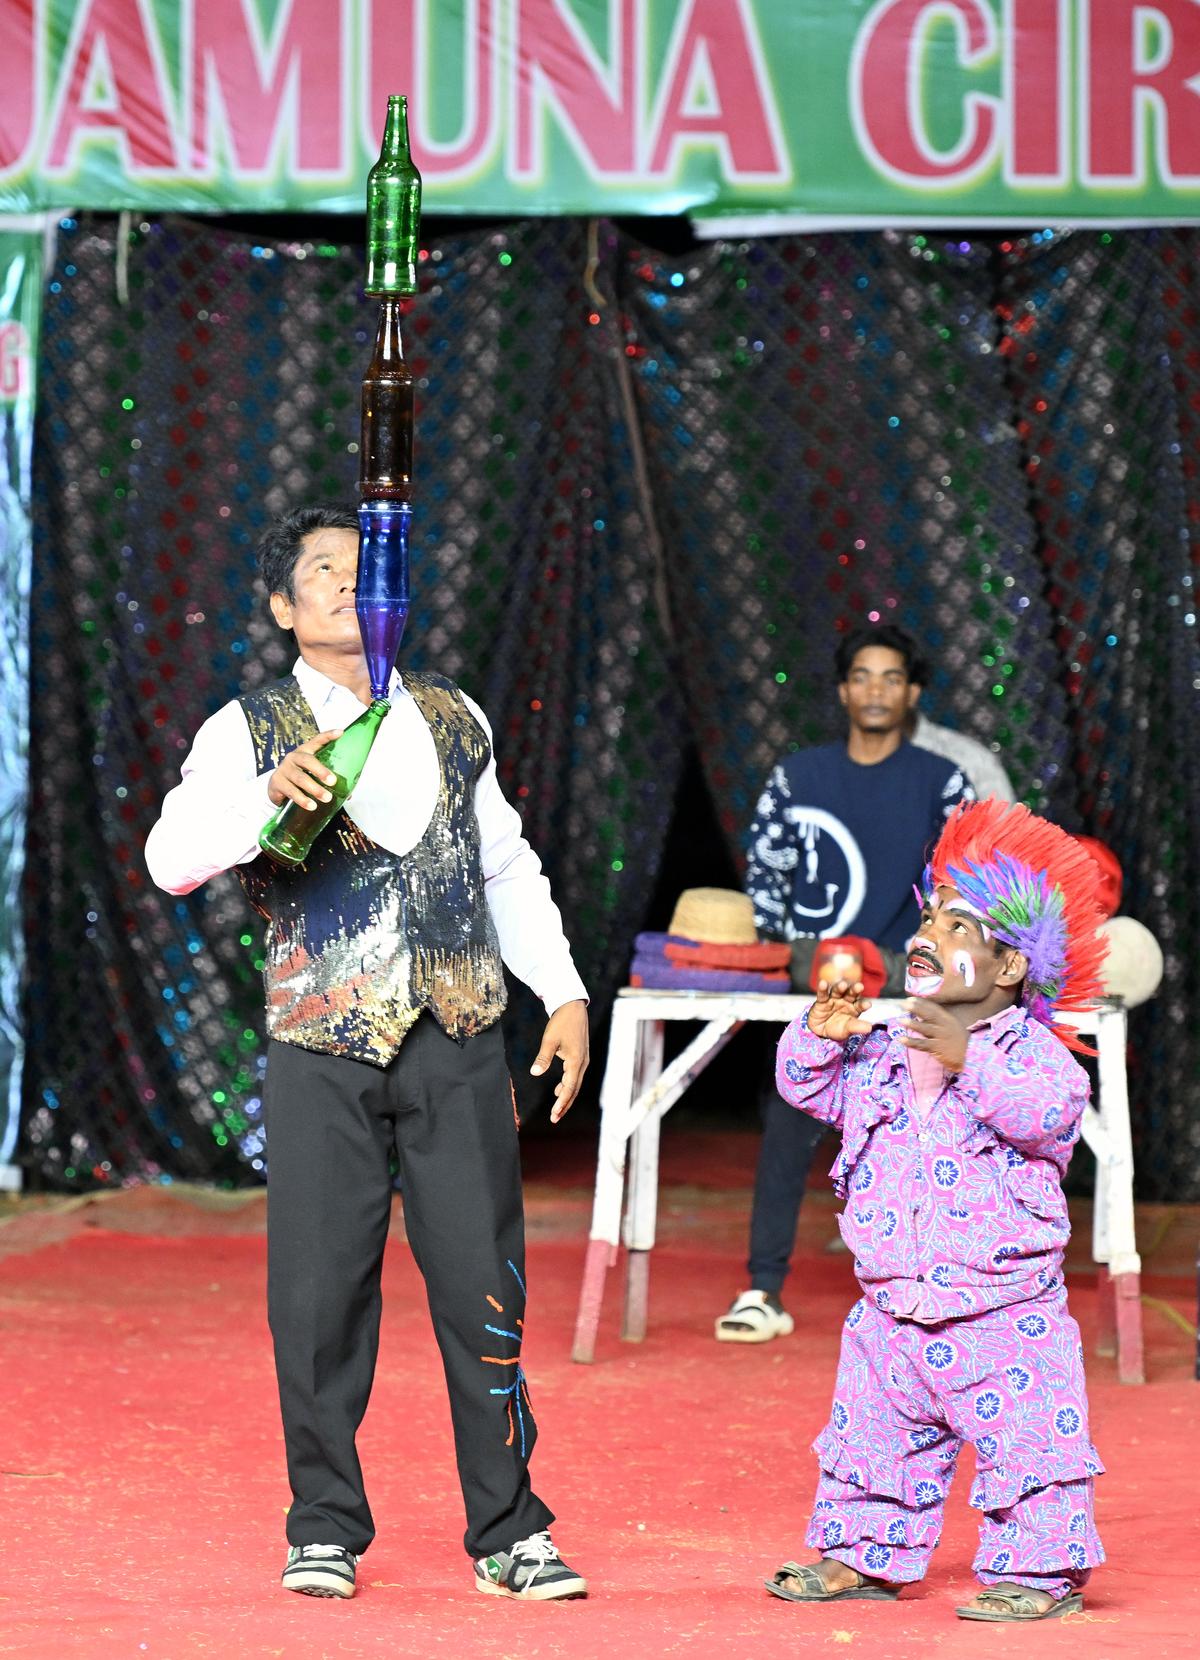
x: 922, y: 983
x: 964, y: 966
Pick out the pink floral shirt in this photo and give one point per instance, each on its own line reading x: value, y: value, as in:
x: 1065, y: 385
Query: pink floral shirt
x: 960, y: 1210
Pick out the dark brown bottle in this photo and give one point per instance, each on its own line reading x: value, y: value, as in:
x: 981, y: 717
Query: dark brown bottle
x: 385, y: 455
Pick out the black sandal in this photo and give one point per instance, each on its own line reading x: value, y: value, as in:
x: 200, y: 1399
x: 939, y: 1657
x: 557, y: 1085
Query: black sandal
x: 816, y: 1590
x: 1014, y: 1602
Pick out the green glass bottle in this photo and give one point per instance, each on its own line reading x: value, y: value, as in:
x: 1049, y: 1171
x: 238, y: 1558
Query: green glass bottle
x: 393, y: 209
x: 289, y: 833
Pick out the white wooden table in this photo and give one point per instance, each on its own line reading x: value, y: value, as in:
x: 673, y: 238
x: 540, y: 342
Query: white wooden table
x: 637, y: 1094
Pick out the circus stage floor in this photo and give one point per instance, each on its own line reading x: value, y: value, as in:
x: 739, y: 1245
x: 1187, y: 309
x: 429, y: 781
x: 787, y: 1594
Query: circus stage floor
x: 142, y: 1489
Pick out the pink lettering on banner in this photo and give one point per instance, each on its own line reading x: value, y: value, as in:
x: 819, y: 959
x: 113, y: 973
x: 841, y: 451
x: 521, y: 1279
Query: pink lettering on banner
x: 718, y: 93
x: 14, y: 361
x: 401, y: 58
x: 1139, y: 58
x: 113, y: 84
x: 886, y: 91
x: 1037, y: 96
x: 263, y: 94
x: 596, y: 104
x: 19, y: 102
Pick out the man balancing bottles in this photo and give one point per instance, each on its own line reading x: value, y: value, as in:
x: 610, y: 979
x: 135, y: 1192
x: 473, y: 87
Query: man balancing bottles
x: 385, y: 482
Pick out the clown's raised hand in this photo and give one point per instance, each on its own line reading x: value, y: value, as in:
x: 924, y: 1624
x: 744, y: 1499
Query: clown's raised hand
x: 838, y: 1010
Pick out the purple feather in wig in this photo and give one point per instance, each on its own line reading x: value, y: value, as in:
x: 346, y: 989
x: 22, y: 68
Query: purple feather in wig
x: 1026, y: 912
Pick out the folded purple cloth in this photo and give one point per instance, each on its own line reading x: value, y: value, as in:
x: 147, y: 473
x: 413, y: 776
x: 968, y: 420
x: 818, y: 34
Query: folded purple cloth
x: 656, y: 974
x: 655, y: 944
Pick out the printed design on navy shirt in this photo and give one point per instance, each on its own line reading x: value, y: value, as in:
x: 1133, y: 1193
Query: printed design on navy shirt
x: 836, y: 846
x: 955, y: 789
x: 829, y: 882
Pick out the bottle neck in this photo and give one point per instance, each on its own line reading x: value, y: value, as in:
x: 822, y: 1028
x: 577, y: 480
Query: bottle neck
x: 395, y: 132
x: 350, y: 750
x: 389, y: 346
x: 372, y: 714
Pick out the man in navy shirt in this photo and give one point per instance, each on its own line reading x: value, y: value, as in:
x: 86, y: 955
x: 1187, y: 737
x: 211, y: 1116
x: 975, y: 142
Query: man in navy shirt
x: 840, y: 837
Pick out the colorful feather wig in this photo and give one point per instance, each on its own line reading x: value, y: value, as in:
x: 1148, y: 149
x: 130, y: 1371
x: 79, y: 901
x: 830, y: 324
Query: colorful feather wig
x: 1037, y: 890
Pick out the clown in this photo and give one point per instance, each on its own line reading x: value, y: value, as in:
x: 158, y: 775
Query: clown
x: 957, y: 1124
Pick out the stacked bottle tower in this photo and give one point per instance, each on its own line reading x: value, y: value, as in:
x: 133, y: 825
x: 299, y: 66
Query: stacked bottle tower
x: 384, y: 482
x: 386, y: 444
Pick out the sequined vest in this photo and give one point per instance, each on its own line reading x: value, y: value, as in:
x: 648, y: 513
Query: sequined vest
x: 360, y: 939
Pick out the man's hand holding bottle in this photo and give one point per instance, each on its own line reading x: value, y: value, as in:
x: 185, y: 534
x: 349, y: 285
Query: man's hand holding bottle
x: 300, y: 777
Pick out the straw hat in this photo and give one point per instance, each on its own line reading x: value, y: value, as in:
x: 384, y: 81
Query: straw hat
x: 718, y: 916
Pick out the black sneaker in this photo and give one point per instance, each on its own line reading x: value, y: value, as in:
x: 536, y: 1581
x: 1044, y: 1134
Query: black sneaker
x: 532, y: 1569
x: 320, y: 1570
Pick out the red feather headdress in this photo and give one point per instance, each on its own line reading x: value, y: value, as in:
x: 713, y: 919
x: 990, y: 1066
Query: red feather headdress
x: 1037, y: 890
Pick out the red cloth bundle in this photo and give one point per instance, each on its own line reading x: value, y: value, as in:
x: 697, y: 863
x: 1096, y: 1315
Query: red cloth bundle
x: 1108, y: 871
x: 874, y: 974
x: 758, y: 958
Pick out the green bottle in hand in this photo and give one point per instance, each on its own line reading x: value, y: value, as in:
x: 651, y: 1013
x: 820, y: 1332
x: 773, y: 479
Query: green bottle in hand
x: 291, y: 830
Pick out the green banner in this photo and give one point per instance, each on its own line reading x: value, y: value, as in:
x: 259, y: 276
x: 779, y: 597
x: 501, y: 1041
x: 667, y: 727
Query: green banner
x: 833, y: 111
x: 20, y: 308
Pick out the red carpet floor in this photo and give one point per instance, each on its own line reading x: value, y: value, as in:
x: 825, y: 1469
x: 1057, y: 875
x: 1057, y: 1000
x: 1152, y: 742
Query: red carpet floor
x: 141, y: 1473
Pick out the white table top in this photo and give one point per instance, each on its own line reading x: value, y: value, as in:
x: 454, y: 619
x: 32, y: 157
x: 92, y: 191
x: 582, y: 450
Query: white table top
x: 760, y: 1005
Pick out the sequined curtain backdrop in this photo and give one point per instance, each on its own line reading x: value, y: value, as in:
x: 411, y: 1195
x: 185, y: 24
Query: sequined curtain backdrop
x: 833, y: 443
x: 996, y: 444
x: 1100, y: 338
x: 187, y: 397
x: 832, y: 428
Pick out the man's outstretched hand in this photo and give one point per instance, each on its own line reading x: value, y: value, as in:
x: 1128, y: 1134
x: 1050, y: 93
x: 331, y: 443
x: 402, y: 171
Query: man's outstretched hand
x: 565, y: 1037
x: 839, y: 1010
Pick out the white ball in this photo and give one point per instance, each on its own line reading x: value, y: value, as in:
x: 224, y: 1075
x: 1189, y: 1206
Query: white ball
x: 1133, y: 970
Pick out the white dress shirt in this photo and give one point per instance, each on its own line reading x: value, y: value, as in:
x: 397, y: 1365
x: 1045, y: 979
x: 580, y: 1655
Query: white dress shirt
x: 210, y: 821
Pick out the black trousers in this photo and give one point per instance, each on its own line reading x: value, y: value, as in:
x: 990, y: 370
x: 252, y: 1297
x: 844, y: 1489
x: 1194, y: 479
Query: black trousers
x: 446, y: 1111
x: 789, y: 1140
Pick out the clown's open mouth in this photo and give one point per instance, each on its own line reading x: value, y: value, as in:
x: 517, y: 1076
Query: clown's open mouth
x: 922, y: 976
